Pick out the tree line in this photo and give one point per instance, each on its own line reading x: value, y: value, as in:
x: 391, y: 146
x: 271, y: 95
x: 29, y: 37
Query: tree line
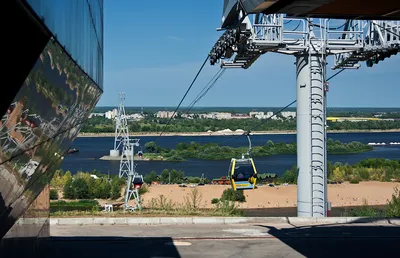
x: 212, y: 151
x: 374, y: 169
x: 84, y: 185
x: 98, y: 124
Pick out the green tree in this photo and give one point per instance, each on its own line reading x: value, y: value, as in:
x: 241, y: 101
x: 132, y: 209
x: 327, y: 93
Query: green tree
x: 150, y: 177
x: 69, y: 192
x: 53, y: 194
x: 106, y: 189
x: 338, y: 174
x: 165, y: 176
x: 290, y: 176
x: 56, y: 181
x: 115, y: 190
x: 151, y: 147
x: 81, y: 189
x: 66, y: 177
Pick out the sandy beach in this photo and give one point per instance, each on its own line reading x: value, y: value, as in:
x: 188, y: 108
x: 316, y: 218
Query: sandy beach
x: 229, y: 133
x: 346, y: 194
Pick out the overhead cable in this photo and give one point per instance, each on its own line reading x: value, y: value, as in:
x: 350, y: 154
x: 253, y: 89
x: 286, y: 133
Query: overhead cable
x: 184, y: 96
x: 206, y: 88
x: 274, y: 114
x: 259, y: 124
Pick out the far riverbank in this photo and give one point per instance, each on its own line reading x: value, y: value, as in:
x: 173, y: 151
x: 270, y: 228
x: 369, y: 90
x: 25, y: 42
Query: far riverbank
x: 230, y: 133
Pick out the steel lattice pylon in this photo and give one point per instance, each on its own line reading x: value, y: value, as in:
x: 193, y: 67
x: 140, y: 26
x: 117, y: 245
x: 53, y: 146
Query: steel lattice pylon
x: 127, y: 167
x: 310, y: 41
x: 121, y: 124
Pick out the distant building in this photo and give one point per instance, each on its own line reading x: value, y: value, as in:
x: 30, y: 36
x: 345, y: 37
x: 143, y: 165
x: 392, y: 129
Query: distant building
x: 165, y: 114
x: 258, y: 115
x: 96, y: 114
x: 135, y: 116
x: 288, y: 114
x: 240, y: 116
x: 111, y: 114
x: 217, y: 115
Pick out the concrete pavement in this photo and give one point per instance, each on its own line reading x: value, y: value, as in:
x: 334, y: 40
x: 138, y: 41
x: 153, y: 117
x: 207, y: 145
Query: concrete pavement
x: 211, y: 220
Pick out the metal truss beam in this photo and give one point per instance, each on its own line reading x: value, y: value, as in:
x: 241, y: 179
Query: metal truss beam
x: 310, y: 41
x: 350, y: 43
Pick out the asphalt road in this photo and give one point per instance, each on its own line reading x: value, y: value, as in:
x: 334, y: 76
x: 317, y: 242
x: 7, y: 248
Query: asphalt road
x: 350, y: 240
x: 249, y: 240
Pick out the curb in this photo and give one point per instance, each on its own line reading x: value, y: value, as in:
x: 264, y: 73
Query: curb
x: 216, y: 220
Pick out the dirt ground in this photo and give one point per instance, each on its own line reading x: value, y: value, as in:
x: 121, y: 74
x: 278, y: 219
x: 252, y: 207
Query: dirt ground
x: 375, y: 193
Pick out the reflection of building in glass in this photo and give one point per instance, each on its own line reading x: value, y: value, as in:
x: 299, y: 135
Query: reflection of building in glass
x: 56, y: 81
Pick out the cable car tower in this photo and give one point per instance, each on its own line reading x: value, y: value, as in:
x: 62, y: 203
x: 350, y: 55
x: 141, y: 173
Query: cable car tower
x: 127, y: 165
x: 121, y: 127
x: 310, y: 41
x: 127, y: 168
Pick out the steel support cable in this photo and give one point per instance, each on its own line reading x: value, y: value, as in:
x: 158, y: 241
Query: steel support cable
x: 184, y: 96
x: 337, y: 73
x: 201, y: 92
x: 213, y: 82
x: 259, y: 124
x: 211, y: 86
x: 298, y: 25
x: 323, y: 27
x: 274, y: 114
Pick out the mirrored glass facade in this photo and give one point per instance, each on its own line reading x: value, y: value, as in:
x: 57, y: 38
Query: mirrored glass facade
x: 57, y: 62
x: 78, y: 26
x: 39, y: 127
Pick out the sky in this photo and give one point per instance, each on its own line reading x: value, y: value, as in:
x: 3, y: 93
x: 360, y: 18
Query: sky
x: 153, y: 50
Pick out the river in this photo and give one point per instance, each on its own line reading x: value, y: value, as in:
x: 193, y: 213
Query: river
x: 92, y: 148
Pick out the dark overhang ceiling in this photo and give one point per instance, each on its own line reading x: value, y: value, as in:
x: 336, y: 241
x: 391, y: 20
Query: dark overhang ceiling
x: 341, y: 9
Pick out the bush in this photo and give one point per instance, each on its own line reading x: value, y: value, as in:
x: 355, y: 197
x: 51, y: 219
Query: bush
x: 228, y: 208
x: 393, y: 208
x: 53, y: 194
x: 162, y: 203
x: 143, y: 189
x: 365, y: 211
x: 193, y: 200
x: 215, y: 201
x: 232, y: 195
x: 290, y: 176
x: 151, y: 177
x: 354, y: 180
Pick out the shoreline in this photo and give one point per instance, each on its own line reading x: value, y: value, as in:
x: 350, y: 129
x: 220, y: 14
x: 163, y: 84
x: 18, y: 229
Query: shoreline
x: 153, y: 134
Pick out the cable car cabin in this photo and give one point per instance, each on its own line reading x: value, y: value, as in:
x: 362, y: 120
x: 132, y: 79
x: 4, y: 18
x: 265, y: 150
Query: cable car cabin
x: 137, y: 181
x: 243, y: 174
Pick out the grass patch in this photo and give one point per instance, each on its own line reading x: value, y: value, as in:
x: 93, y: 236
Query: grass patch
x: 163, y: 206
x: 392, y: 209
